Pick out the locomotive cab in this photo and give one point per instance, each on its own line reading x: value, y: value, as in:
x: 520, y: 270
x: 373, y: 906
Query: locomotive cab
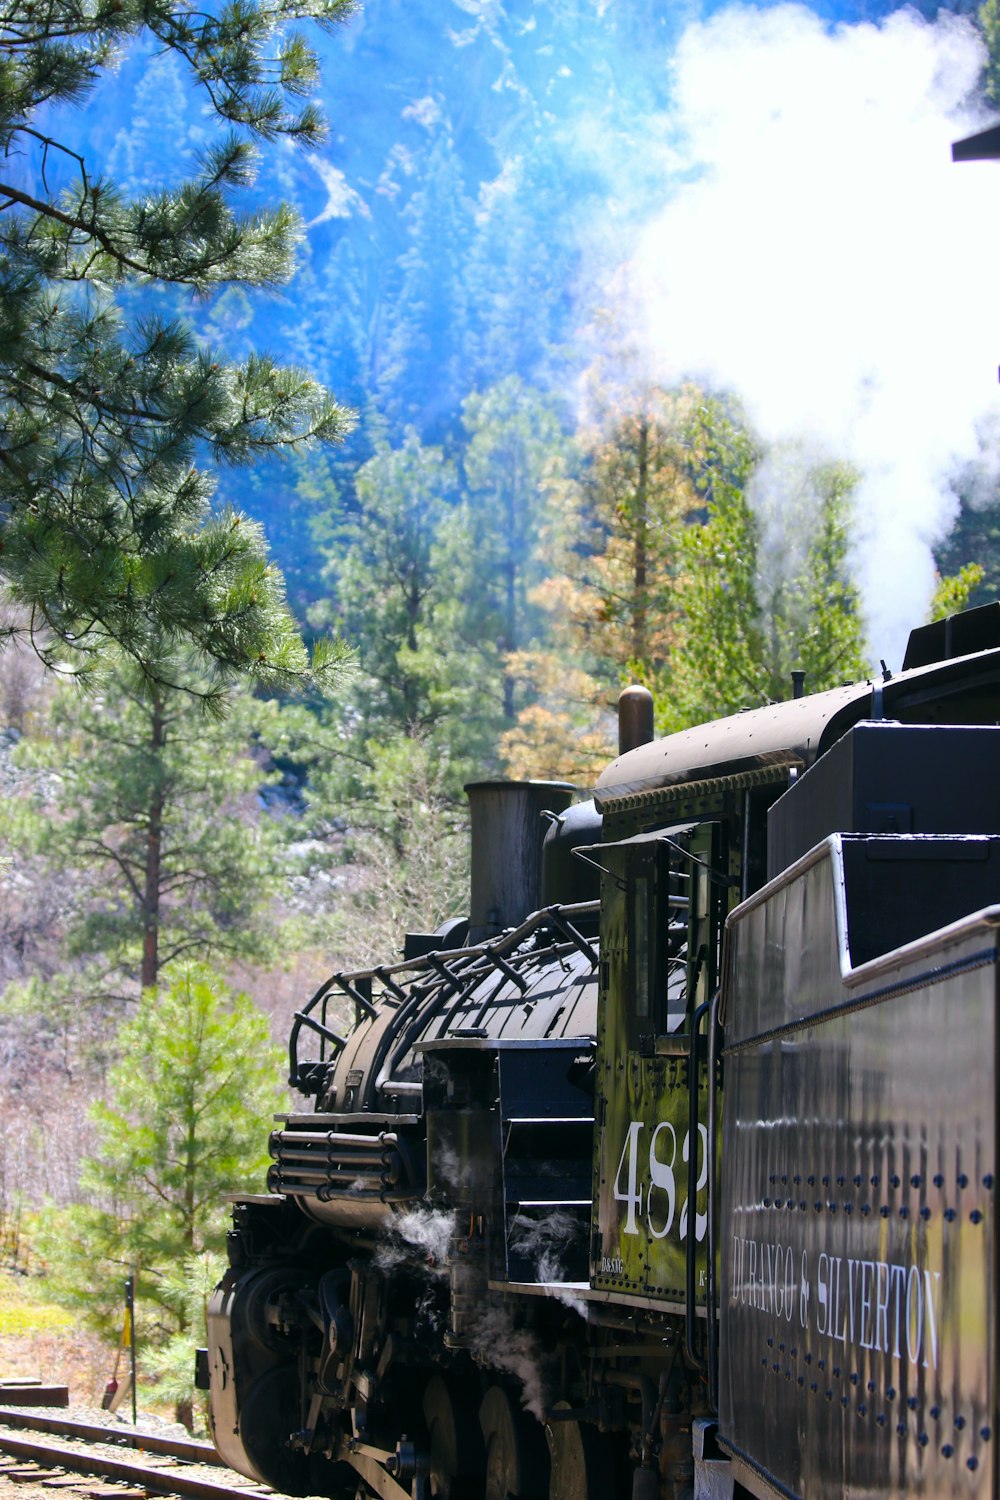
x: 665, y: 899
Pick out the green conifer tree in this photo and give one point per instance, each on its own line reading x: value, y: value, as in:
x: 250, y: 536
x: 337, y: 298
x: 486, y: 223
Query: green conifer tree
x: 110, y: 412
x: 186, y: 1120
x: 749, y: 611
x: 989, y: 20
x: 422, y: 359
x: 516, y: 454
x: 387, y: 590
x: 151, y: 809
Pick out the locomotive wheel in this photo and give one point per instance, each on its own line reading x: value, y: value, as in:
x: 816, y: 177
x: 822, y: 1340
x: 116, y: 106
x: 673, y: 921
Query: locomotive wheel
x: 457, y: 1453
x: 582, y: 1461
x: 257, y: 1294
x: 517, y: 1460
x: 267, y: 1417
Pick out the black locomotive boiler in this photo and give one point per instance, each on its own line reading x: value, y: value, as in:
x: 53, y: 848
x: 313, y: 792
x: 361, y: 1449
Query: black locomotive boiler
x: 671, y: 1174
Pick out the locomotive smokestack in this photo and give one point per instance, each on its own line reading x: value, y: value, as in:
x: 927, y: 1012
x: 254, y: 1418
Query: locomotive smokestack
x: 635, y: 718
x: 507, y: 835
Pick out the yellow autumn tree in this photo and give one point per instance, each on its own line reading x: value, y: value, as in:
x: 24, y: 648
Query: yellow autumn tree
x: 613, y: 544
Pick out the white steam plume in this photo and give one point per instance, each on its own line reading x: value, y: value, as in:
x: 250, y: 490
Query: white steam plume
x: 546, y: 1242
x: 501, y: 1346
x: 419, y: 1236
x: 818, y: 252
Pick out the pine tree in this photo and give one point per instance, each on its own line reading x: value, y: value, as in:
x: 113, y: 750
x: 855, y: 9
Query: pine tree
x: 765, y: 585
x: 186, y: 1120
x: 422, y: 360
x: 989, y: 20
x: 953, y: 592
x: 516, y: 295
x: 408, y: 845
x: 612, y: 539
x: 387, y: 590
x: 516, y: 453
x: 111, y: 411
x: 975, y: 533
x: 155, y: 817
x: 642, y: 488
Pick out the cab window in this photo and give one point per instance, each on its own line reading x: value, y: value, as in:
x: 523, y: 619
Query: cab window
x: 658, y: 930
x: 677, y: 897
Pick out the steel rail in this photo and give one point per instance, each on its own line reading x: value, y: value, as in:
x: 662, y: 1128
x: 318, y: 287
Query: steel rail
x: 92, y: 1457
x: 190, y: 1450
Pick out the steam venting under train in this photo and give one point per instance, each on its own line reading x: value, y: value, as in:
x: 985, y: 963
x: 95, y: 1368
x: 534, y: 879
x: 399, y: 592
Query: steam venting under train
x: 670, y: 1173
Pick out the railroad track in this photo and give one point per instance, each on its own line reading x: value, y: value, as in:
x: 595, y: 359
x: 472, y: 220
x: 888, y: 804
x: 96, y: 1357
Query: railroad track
x: 52, y: 1454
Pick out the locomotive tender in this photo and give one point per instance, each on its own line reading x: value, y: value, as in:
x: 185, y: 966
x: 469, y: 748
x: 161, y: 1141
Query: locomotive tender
x: 672, y: 1173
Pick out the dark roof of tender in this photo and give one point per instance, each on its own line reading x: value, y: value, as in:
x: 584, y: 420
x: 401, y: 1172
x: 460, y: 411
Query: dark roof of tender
x: 985, y: 146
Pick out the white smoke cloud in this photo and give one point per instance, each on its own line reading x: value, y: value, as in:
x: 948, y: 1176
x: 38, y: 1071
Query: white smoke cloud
x: 817, y: 251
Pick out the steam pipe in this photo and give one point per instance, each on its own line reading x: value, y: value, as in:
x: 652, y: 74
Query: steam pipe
x: 333, y: 1037
x: 641, y: 1383
x: 691, y: 1244
x: 329, y: 1138
x: 297, y: 1178
x: 649, y: 1433
x: 510, y: 939
x: 508, y: 970
x: 710, y: 1288
x: 446, y: 974
x: 310, y: 1169
x: 556, y: 915
x: 386, y: 980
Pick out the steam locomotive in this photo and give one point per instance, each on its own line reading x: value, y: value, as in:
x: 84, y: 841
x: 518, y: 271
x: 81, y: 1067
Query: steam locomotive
x: 671, y: 1172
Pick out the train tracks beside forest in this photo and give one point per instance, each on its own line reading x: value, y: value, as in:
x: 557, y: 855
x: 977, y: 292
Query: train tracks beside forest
x: 42, y: 1455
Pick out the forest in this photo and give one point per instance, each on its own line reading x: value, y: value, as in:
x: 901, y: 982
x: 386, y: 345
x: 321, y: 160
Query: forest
x: 242, y: 688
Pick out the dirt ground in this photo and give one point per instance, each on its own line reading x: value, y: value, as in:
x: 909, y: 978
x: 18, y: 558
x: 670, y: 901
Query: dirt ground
x: 41, y: 1341
x: 67, y: 1356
